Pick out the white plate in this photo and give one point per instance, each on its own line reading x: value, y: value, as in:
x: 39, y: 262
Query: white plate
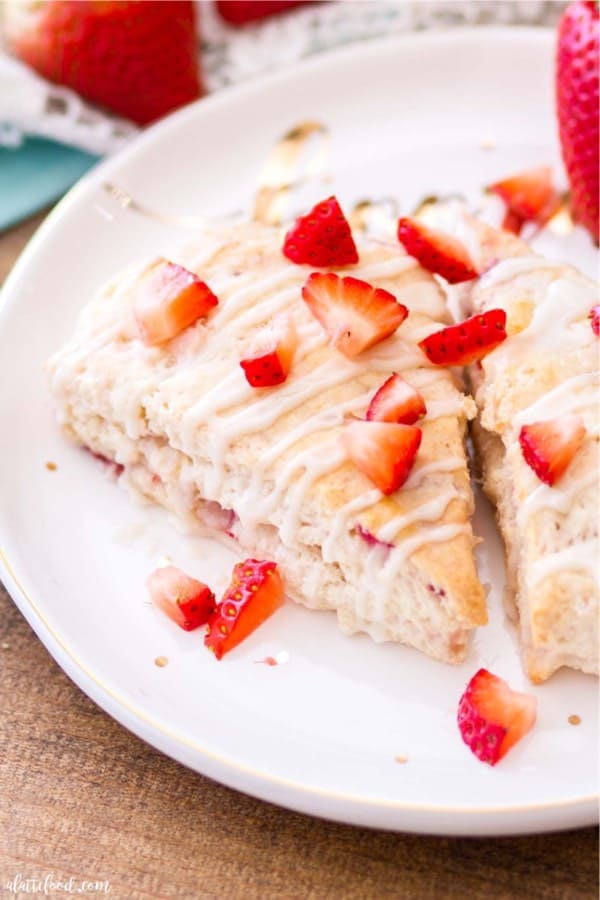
x: 320, y: 734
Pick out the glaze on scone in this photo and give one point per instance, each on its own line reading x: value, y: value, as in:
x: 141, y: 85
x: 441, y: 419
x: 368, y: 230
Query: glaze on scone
x: 546, y: 368
x: 269, y: 464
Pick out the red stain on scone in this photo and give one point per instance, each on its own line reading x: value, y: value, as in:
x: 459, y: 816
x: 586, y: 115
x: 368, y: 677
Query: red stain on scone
x: 255, y: 592
x: 355, y: 314
x: 185, y: 600
x: 436, y: 251
x: 548, y: 447
x: 371, y: 540
x: 594, y: 318
x: 322, y: 238
x: 492, y: 717
x: 168, y: 300
x: 468, y: 341
x: 383, y: 451
x: 397, y: 401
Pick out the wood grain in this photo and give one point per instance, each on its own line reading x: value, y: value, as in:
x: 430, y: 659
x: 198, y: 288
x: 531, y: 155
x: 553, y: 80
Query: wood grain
x: 80, y: 796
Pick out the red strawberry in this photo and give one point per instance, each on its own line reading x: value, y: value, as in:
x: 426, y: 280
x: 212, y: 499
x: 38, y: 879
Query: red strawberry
x: 138, y: 59
x: 188, y: 602
x: 269, y: 359
x: 577, y: 99
x: 168, y: 300
x: 492, y: 717
x: 383, y: 451
x: 239, y: 12
x: 396, y: 401
x: 548, y: 447
x: 321, y: 238
x: 255, y: 592
x: 436, y: 251
x: 594, y: 318
x: 356, y: 315
x: 466, y: 342
x: 529, y: 196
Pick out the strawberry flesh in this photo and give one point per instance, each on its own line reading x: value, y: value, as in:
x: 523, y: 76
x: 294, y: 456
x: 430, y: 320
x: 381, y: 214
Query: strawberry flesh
x: 577, y: 100
x: 138, y: 59
x: 269, y: 359
x: 355, y: 314
x: 168, y: 300
x: 383, y: 451
x: 239, y: 12
x: 322, y: 238
x: 594, y: 318
x: 186, y: 601
x: 255, y: 592
x: 548, y: 447
x: 396, y: 401
x: 492, y: 717
x: 436, y: 251
x: 468, y: 341
x: 529, y: 197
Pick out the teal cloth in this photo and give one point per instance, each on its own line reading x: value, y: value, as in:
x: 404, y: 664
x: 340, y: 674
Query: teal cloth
x: 35, y: 174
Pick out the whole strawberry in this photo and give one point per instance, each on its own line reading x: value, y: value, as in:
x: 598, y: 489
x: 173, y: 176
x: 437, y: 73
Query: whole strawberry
x: 577, y: 100
x: 137, y: 58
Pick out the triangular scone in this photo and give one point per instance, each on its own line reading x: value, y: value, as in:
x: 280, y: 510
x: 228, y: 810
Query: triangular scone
x: 268, y: 465
x: 547, y: 367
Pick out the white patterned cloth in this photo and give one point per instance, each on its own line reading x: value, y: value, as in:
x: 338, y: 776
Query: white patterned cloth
x: 30, y: 105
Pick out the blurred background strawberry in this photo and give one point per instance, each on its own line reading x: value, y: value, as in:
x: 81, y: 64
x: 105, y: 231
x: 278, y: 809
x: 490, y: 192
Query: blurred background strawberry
x: 577, y: 98
x: 239, y: 12
x: 137, y: 58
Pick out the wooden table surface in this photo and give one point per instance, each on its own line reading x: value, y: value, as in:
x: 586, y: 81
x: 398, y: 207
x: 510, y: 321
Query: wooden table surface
x: 82, y: 798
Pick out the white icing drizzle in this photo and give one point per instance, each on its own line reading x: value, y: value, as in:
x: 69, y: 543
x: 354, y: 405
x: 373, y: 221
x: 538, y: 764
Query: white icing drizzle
x: 577, y: 392
x: 419, y: 473
x: 555, y: 498
x: 432, y: 511
x: 578, y: 557
x: 340, y: 520
x: 509, y: 268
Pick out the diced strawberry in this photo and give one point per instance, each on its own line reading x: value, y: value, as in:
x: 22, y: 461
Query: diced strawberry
x: 355, y: 314
x: 549, y: 446
x: 168, y: 300
x: 255, y: 592
x: 383, y: 451
x: 436, y: 251
x: 512, y: 222
x: 529, y: 197
x: 466, y: 342
x: 188, y: 602
x: 321, y: 238
x: 594, y: 318
x: 269, y: 359
x: 396, y: 401
x: 577, y: 106
x: 492, y: 717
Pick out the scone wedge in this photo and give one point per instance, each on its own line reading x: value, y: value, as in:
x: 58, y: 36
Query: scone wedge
x: 546, y: 370
x: 268, y: 465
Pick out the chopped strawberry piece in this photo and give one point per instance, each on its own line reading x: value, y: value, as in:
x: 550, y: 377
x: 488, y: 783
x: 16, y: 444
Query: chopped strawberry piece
x: 529, y: 197
x: 255, y: 592
x: 355, y: 314
x: 383, y: 451
x: 512, y: 222
x: 188, y: 602
x: 492, y: 717
x: 436, y: 251
x: 168, y: 300
x: 397, y: 401
x: 548, y: 447
x: 269, y: 359
x: 594, y: 318
x: 466, y: 342
x: 321, y: 238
